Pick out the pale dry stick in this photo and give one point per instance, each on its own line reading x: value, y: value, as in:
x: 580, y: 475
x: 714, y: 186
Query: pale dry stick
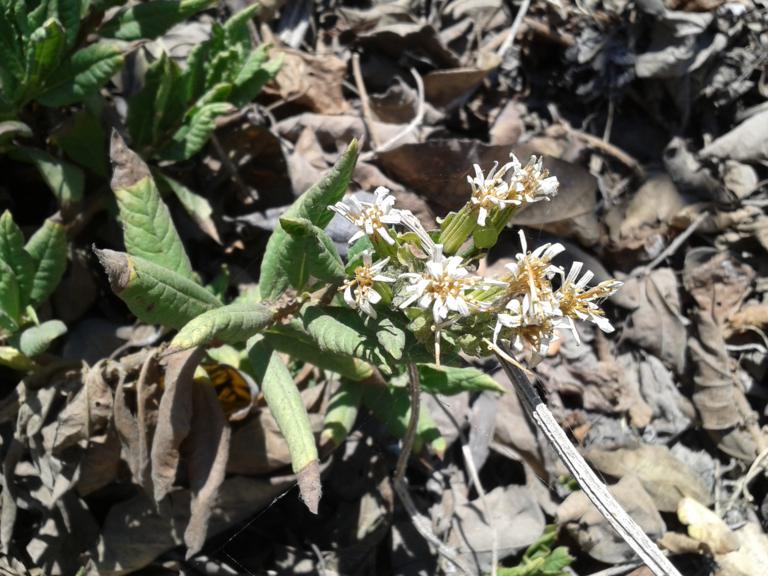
x: 510, y: 39
x: 673, y: 247
x: 591, y: 485
x: 421, y: 523
x: 470, y: 463
x: 364, y: 101
x: 412, y: 125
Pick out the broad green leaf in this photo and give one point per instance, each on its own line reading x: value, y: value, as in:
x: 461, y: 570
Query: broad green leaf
x: 341, y: 414
x: 392, y: 406
x: 231, y: 324
x: 154, y: 294
x: 390, y: 337
x: 151, y: 19
x: 285, y: 404
x: 13, y: 254
x: 148, y: 230
x: 65, y: 180
x: 13, y: 358
x: 48, y: 249
x: 45, y: 49
x: 312, y: 205
x: 197, y: 206
x: 300, y: 346
x: 10, y: 305
x: 83, y: 139
x: 342, y: 331
x: 37, y: 339
x: 68, y: 12
x: 83, y: 73
x: 195, y: 132
x: 236, y: 28
x: 222, y: 67
x: 448, y: 380
x: 311, y: 253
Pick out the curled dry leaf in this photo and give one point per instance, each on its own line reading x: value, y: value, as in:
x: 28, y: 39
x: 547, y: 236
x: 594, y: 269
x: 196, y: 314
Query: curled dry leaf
x: 706, y: 526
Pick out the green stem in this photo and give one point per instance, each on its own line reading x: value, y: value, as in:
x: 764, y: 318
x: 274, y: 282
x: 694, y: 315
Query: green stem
x: 457, y: 230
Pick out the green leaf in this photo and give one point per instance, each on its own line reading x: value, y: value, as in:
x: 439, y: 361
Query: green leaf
x: 10, y: 305
x: 48, y: 249
x: 13, y: 254
x: 342, y: 412
x: 311, y: 253
x: 236, y: 28
x: 68, y: 12
x: 285, y: 404
x: 11, y: 54
x: 195, y: 133
x: 342, y: 331
x: 231, y: 324
x: 392, y: 406
x: 254, y: 75
x: 448, y: 380
x: 45, y: 49
x: 65, y: 180
x: 13, y: 358
x: 37, y: 339
x: 197, y: 206
x: 148, y: 230
x: 151, y: 19
x: 11, y: 129
x: 312, y: 205
x: 300, y: 346
x: 155, y: 295
x: 149, y: 115
x: 83, y: 140
x: 83, y: 73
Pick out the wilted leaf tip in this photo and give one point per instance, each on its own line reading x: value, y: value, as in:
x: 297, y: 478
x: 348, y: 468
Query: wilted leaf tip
x: 117, y: 266
x: 128, y: 168
x: 310, y: 488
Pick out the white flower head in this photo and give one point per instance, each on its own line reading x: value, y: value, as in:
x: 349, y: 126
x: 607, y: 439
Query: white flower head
x: 440, y: 286
x: 371, y: 218
x: 576, y: 301
x: 535, y: 321
x: 533, y: 182
x: 531, y: 271
x: 491, y: 191
x: 360, y: 292
x: 410, y: 221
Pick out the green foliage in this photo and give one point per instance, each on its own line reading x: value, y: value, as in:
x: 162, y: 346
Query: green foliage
x: 540, y: 559
x: 48, y: 250
x: 448, y: 380
x: 151, y: 19
x: 281, y: 251
x: 233, y: 324
x: 173, y: 116
x: 36, y: 339
x: 342, y: 413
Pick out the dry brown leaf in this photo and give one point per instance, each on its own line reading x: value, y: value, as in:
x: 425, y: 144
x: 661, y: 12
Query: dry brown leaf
x: 665, y: 478
x: 752, y: 555
x: 445, y: 88
x: 593, y: 533
x: 174, y: 418
x: 313, y: 81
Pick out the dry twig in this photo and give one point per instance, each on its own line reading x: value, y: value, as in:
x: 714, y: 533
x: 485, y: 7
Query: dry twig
x: 364, y: 101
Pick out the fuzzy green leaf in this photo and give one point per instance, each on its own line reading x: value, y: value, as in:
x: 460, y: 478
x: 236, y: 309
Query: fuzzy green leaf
x: 11, y: 54
x: 232, y: 324
x: 311, y: 253
x: 254, y: 75
x: 85, y: 72
x: 448, y: 380
x: 195, y: 132
x: 151, y: 19
x: 155, y: 295
x: 65, y: 180
x: 342, y: 412
x: 197, y: 206
x: 285, y: 404
x: 48, y: 249
x: 11, y: 129
x: 312, y: 205
x: 83, y: 139
x: 148, y: 230
x: 69, y: 13
x: 45, y: 49
x: 37, y: 339
x: 10, y: 305
x: 14, y: 359
x: 13, y: 254
x: 392, y: 406
x: 300, y: 346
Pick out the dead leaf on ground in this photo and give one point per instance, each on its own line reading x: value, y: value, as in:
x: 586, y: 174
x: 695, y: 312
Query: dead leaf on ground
x: 706, y: 526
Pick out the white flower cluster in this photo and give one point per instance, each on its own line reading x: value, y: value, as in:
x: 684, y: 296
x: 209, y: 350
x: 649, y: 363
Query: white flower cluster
x: 522, y: 307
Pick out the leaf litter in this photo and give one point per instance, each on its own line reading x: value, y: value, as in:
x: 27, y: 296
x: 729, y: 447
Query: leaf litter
x: 122, y: 458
